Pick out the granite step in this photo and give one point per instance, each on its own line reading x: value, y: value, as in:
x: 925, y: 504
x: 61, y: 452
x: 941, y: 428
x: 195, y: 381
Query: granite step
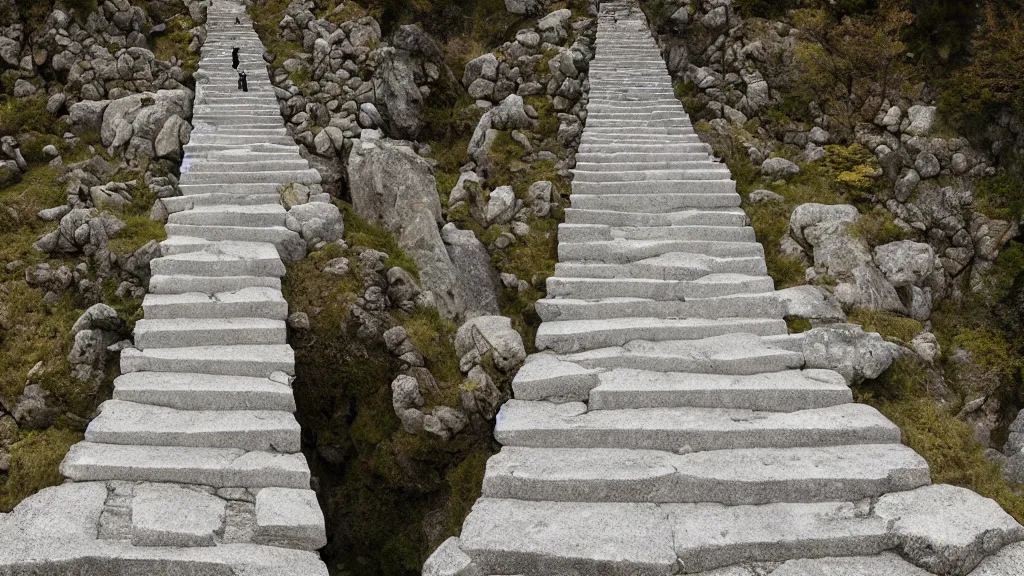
x: 248, y: 360
x: 221, y: 259
x: 731, y: 477
x: 567, y: 336
x: 506, y: 536
x: 192, y: 332
x: 121, y: 422
x: 184, y: 391
x: 254, y: 302
x: 184, y: 283
x: 216, y: 467
x: 764, y: 305
x: 570, y: 425
x: 258, y: 216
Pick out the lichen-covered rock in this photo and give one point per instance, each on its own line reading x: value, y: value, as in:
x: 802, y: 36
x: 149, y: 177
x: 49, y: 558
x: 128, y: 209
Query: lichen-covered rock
x: 811, y: 303
x: 905, y: 263
x: 317, y: 222
x: 478, y: 283
x: 824, y: 231
x: 779, y: 168
x: 849, y: 350
x: 393, y: 187
x: 489, y: 334
x: 946, y: 529
x: 398, y: 99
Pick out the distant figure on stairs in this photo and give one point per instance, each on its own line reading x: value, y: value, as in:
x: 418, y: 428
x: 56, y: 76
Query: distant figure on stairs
x: 234, y: 58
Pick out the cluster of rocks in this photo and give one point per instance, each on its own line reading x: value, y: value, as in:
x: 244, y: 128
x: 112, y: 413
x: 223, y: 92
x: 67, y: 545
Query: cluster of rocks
x: 385, y: 290
x: 905, y: 277
x: 347, y: 78
x: 148, y: 125
x: 738, y: 70
x: 12, y: 162
x: 537, y: 63
x: 488, y: 349
x: 393, y: 187
x: 105, y: 53
x: 99, y: 335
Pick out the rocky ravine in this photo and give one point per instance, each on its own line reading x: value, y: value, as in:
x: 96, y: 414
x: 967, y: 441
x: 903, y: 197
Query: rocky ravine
x: 674, y: 426
x: 194, y: 466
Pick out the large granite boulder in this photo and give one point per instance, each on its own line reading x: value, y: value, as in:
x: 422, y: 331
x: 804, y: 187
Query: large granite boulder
x: 478, y: 284
x: 824, y: 232
x: 394, y: 188
x: 398, y: 99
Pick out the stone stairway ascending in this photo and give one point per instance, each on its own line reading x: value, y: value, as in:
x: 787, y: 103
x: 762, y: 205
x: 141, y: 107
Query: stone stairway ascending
x: 670, y: 428
x: 205, y: 397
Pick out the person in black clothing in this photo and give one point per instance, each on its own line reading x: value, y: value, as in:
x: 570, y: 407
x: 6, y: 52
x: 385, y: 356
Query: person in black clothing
x: 243, y: 85
x: 234, y: 58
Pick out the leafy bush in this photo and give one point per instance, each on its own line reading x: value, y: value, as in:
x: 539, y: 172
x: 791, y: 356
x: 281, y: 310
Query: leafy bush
x: 1001, y: 196
x: 851, y: 63
x: 992, y: 81
x: 27, y: 114
x: 764, y: 8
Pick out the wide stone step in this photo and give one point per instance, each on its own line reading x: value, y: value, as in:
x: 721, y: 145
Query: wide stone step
x: 235, y: 140
x: 190, y: 332
x: 567, y: 336
x: 259, y: 361
x: 217, y: 467
x: 715, y: 172
x: 185, y: 391
x: 182, y: 203
x: 253, y: 302
x: 287, y: 163
x: 699, y: 162
x: 122, y: 422
x: 263, y: 215
x: 570, y: 425
x: 505, y: 536
x: 708, y: 186
x: 235, y: 189
x: 731, y: 477
x: 699, y: 152
x: 278, y: 177
x: 654, y: 203
x: 278, y: 235
x: 670, y: 266
x: 183, y: 283
x: 786, y: 391
x: 764, y: 305
x: 223, y: 259
x: 721, y: 217
x: 597, y: 232
x: 735, y: 354
x: 625, y: 251
x: 710, y: 286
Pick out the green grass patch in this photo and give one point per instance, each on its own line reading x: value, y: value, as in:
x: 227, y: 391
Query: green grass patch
x: 891, y: 326
x: 933, y: 431
x: 359, y: 232
x: 174, y: 42
x: 434, y: 337
x: 28, y: 114
x: 35, y: 459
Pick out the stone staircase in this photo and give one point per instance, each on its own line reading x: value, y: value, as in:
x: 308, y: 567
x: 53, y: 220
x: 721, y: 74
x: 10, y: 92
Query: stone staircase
x: 670, y: 427
x: 195, y: 463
